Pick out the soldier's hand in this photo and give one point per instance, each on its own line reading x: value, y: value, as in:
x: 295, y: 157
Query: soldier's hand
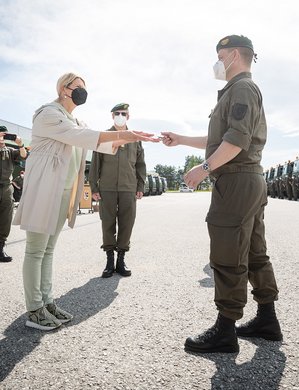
x: 19, y: 141
x: 195, y: 176
x: 96, y: 196
x: 170, y: 139
x: 139, y: 195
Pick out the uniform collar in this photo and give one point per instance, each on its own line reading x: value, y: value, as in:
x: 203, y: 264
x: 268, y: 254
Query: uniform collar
x: 242, y: 75
x: 114, y: 129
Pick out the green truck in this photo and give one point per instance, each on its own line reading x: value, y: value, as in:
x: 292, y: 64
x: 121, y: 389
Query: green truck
x: 295, y: 179
x: 285, y: 181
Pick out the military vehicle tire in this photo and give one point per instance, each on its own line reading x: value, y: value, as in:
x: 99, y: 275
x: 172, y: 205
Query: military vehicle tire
x: 295, y: 193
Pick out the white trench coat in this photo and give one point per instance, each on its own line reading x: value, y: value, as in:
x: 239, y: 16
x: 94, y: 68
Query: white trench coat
x: 53, y: 135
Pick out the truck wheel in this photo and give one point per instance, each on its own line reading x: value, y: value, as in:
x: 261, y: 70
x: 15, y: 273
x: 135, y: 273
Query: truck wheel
x: 289, y: 192
x: 295, y: 193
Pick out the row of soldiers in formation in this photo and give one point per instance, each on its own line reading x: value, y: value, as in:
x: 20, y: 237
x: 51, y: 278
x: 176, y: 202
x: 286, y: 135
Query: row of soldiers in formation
x: 283, y: 180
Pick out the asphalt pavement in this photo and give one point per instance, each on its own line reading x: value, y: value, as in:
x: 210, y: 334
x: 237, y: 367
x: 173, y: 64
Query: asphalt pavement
x: 129, y: 333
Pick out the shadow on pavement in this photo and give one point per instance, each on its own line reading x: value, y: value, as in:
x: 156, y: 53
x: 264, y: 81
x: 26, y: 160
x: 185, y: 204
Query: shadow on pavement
x: 263, y: 371
x: 207, y: 282
x: 83, y: 302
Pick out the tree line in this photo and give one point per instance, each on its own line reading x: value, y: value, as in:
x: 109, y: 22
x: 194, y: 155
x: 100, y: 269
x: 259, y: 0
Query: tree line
x: 175, y: 176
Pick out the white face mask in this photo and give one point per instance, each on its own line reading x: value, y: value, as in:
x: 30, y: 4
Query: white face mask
x: 120, y: 120
x: 220, y: 70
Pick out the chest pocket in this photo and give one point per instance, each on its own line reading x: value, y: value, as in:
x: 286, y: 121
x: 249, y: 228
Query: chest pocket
x: 132, y: 152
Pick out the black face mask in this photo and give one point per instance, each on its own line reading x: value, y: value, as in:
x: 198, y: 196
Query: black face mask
x: 79, y: 95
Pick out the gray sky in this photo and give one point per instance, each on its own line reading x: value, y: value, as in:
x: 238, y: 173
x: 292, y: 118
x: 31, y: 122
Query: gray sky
x: 156, y: 55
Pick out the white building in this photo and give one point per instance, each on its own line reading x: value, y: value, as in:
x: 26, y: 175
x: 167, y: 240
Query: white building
x: 21, y: 131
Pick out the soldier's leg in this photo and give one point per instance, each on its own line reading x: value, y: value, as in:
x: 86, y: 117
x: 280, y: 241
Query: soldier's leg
x: 235, y: 201
x: 229, y: 260
x: 126, y: 217
x: 6, y: 211
x: 108, y: 214
x: 261, y: 275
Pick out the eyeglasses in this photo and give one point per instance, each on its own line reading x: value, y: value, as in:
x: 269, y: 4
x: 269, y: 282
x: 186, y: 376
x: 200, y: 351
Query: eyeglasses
x: 120, y: 113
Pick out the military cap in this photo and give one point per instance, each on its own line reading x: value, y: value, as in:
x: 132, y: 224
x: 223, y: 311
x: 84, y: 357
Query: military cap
x: 3, y: 129
x: 234, y: 41
x: 120, y: 106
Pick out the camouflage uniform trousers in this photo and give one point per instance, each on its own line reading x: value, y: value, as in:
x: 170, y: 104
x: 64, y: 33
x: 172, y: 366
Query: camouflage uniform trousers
x: 117, y: 211
x: 238, y: 247
x: 6, y: 210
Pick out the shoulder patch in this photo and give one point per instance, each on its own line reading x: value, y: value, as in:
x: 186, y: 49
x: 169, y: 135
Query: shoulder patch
x: 239, y: 111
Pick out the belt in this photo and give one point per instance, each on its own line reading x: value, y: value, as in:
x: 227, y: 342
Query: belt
x: 214, y: 176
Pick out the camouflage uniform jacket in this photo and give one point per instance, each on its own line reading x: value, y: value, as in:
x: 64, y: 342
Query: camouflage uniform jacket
x: 124, y: 171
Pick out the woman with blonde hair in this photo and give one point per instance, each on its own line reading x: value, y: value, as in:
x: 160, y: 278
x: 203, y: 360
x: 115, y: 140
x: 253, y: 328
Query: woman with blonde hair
x: 52, y: 189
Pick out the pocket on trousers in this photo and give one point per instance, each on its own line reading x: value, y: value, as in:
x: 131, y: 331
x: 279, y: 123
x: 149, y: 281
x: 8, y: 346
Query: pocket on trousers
x: 225, y: 235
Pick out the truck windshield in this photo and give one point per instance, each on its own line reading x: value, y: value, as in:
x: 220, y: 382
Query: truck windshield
x: 296, y: 166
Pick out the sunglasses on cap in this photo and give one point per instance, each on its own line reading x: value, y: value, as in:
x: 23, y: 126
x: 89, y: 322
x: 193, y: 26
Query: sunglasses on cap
x: 120, y: 113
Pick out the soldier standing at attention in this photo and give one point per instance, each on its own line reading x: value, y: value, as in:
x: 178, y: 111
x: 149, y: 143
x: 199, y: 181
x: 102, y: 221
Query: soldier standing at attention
x: 234, y: 144
x: 8, y: 157
x: 117, y: 181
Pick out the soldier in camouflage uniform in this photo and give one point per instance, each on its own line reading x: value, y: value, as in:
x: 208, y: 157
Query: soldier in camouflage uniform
x: 236, y: 138
x: 8, y: 157
x: 117, y: 181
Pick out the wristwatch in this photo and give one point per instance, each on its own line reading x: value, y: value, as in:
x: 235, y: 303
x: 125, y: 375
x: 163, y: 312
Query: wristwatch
x: 206, y: 167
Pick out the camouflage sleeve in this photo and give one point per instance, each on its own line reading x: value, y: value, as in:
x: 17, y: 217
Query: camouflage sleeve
x: 140, y: 168
x: 243, y: 117
x: 94, y: 172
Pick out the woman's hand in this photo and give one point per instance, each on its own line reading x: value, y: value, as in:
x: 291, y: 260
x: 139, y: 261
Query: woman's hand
x: 133, y: 136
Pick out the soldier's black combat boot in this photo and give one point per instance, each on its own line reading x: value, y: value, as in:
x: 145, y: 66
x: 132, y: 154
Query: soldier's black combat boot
x: 109, y: 270
x: 4, y: 258
x: 221, y: 337
x: 264, y: 325
x: 121, y: 267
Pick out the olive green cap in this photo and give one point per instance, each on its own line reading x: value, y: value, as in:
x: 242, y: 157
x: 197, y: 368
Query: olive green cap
x: 120, y: 106
x: 3, y: 129
x: 234, y: 41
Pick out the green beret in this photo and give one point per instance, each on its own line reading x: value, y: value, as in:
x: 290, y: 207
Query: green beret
x: 120, y: 106
x: 3, y: 129
x: 234, y: 41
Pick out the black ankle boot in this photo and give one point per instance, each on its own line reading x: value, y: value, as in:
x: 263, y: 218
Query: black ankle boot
x: 109, y: 270
x: 221, y: 337
x: 121, y: 267
x: 264, y: 325
x: 4, y: 258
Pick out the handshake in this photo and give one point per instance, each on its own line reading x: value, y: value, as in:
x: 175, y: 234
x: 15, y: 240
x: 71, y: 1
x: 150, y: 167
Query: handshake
x: 169, y: 139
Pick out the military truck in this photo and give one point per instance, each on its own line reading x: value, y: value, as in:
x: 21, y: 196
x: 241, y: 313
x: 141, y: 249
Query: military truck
x: 285, y: 182
x: 146, y: 187
x: 164, y: 184
x: 295, y: 179
x: 159, y: 185
x: 266, y: 176
x: 276, y: 182
x: 270, y: 186
x: 152, y: 185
